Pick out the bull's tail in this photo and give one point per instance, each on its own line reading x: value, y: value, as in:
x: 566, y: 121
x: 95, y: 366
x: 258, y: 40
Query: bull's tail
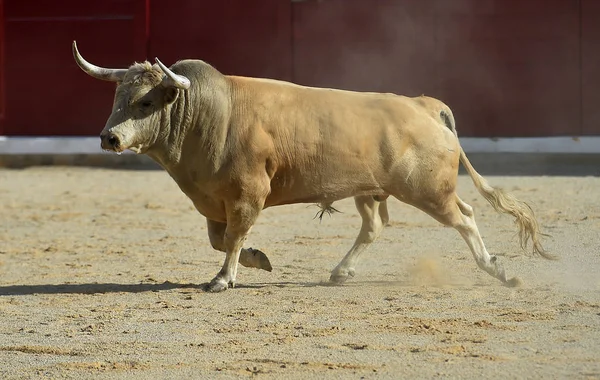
x: 529, y: 228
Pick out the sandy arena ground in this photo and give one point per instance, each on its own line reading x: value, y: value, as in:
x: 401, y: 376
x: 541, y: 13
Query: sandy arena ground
x: 101, y: 274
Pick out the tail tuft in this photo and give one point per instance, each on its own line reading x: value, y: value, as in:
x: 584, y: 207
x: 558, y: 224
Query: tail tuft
x: 529, y: 229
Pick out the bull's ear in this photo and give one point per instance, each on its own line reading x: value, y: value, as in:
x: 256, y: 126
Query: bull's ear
x: 171, y: 94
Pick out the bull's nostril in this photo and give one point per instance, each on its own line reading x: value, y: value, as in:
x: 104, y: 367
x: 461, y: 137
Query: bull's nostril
x: 113, y: 141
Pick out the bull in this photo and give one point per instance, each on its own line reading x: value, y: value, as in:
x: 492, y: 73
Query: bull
x: 237, y: 145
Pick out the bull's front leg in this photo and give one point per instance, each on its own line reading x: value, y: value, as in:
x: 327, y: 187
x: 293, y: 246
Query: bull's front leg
x: 241, y: 216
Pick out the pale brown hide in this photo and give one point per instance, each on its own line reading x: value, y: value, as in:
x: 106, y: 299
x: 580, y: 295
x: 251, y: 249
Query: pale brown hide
x: 322, y: 145
x: 310, y: 145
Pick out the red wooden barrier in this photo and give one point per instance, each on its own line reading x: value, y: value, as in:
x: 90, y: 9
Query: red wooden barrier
x: 47, y: 94
x: 2, y: 69
x: 236, y: 36
x: 590, y: 70
x: 506, y: 67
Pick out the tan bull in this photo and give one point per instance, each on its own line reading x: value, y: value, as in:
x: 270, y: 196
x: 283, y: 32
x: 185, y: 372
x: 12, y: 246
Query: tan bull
x: 237, y: 145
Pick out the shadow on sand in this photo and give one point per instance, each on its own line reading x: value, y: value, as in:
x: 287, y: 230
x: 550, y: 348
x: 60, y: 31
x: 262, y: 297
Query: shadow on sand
x: 101, y: 288
x: 95, y: 288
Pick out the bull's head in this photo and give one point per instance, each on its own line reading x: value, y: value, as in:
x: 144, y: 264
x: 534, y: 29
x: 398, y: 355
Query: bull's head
x: 144, y: 92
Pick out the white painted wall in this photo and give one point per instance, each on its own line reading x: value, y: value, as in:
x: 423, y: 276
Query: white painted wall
x: 91, y: 145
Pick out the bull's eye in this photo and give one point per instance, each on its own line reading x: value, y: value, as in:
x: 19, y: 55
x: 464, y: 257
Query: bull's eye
x: 146, y: 104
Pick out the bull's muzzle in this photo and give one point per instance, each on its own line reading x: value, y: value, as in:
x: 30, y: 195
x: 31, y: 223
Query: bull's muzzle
x: 110, y: 141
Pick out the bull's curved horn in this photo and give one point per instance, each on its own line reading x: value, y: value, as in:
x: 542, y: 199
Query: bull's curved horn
x: 173, y: 80
x: 111, y: 75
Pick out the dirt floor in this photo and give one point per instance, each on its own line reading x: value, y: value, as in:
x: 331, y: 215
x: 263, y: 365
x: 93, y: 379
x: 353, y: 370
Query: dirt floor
x: 102, y: 273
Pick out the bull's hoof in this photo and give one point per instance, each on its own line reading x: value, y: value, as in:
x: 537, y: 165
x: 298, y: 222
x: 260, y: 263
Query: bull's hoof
x: 337, y: 279
x: 261, y: 260
x: 514, y: 282
x: 217, y: 285
x: 254, y: 258
x: 341, y: 276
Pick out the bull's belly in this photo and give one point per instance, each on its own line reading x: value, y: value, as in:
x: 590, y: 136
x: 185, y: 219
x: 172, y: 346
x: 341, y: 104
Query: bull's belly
x: 329, y: 194
x: 336, y: 180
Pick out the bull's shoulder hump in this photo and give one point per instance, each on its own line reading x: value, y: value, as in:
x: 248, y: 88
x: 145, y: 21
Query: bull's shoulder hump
x: 264, y: 81
x: 275, y: 82
x: 319, y: 94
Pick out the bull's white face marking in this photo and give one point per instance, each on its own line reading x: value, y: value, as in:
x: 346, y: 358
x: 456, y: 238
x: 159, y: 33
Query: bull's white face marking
x: 144, y: 91
x: 135, y: 119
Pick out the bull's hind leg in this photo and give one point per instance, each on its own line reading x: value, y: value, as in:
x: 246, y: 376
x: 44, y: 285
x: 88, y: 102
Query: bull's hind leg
x: 458, y: 214
x: 374, y: 216
x: 249, y: 257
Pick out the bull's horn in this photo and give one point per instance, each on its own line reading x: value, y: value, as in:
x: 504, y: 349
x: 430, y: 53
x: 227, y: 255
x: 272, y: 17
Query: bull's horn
x: 173, y: 80
x: 111, y: 75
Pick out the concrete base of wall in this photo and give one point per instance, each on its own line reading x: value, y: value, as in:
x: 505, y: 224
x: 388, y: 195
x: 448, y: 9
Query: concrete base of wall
x: 486, y: 163
x: 91, y: 145
x: 535, y: 156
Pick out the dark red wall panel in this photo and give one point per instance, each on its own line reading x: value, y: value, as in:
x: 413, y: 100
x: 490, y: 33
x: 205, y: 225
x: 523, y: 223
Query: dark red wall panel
x: 49, y: 94
x: 590, y: 45
x: 510, y: 67
x: 2, y: 69
x: 237, y: 37
x: 506, y: 67
x: 384, y: 45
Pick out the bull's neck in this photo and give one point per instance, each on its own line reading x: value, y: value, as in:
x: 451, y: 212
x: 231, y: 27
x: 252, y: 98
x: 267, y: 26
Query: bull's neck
x: 167, y: 147
x: 196, y: 126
